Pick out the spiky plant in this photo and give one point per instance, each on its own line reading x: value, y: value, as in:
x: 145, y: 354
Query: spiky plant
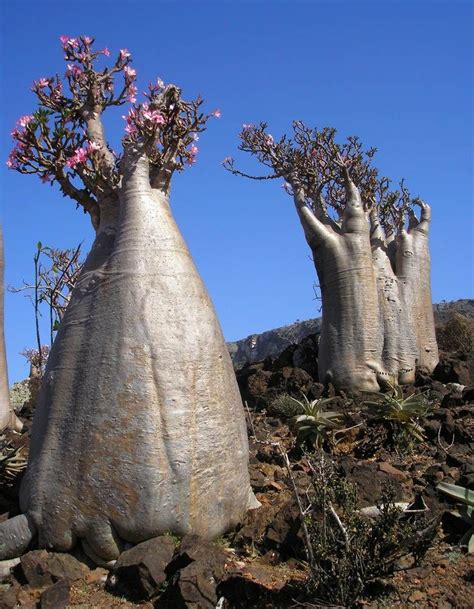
x: 405, y: 412
x: 12, y: 461
x: 312, y: 426
x: 464, y: 510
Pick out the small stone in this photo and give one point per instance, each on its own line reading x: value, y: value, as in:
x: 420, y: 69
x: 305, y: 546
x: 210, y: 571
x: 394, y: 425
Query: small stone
x: 42, y: 568
x: 416, y: 596
x: 8, y: 599
x: 56, y: 596
x: 392, y: 471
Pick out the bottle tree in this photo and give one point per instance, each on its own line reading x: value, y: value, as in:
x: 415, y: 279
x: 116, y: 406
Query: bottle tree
x: 8, y: 418
x: 139, y: 429
x: 370, y: 250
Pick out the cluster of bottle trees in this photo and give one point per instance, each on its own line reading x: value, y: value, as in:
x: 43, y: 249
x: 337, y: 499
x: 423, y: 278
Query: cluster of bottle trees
x: 139, y: 428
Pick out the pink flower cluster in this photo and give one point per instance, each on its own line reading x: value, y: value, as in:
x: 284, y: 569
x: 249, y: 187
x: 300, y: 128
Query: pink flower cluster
x: 68, y: 42
x: 137, y: 117
x: 153, y: 116
x: 42, y: 83
x: 192, y: 154
x: 25, y: 120
x: 124, y: 54
x: 130, y: 75
x: 82, y: 154
x: 129, y: 72
x: 73, y: 71
x: 217, y: 113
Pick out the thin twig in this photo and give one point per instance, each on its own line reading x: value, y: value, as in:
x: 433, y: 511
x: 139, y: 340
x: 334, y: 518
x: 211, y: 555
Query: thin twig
x: 448, y: 446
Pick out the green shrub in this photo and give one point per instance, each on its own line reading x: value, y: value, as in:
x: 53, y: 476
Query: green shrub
x: 457, y: 334
x: 284, y: 407
x: 348, y: 549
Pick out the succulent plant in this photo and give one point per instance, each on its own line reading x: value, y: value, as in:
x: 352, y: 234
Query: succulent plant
x: 464, y: 510
x: 312, y: 425
x: 404, y: 411
x: 12, y: 461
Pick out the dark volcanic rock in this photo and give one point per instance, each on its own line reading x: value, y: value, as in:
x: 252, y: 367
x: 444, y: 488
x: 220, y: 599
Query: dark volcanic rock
x: 42, y: 568
x: 56, y: 596
x: 258, y: 585
x: 196, y: 569
x: 140, y: 571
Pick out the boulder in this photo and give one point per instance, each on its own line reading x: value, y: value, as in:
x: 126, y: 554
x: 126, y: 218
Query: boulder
x: 41, y: 568
x: 56, y: 596
x: 193, y: 574
x: 140, y: 571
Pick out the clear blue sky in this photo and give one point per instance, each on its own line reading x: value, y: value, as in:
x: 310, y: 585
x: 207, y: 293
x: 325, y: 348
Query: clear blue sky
x: 398, y: 74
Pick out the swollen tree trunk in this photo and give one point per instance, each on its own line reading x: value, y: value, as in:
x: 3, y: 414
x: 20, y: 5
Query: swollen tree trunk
x: 8, y: 418
x: 139, y: 428
x: 377, y: 323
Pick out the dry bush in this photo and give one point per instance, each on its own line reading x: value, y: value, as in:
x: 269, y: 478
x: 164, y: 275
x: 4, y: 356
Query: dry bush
x: 457, y: 334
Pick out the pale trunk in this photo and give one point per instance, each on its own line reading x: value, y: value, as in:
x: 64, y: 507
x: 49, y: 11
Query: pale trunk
x: 8, y: 418
x: 140, y: 429
x: 351, y: 338
x: 413, y: 270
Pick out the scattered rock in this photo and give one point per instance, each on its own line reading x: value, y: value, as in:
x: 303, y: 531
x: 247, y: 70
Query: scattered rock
x: 56, y: 596
x: 392, y: 471
x: 196, y: 569
x: 417, y: 596
x: 259, y: 585
x: 140, y: 571
x: 42, y: 568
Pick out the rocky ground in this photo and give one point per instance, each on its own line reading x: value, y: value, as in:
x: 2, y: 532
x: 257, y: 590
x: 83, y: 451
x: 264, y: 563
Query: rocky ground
x: 265, y: 562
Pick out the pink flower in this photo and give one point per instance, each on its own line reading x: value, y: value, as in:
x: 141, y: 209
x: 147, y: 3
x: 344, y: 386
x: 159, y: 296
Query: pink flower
x: 154, y: 116
x: 195, y: 137
x: 105, y: 52
x: 217, y: 113
x: 129, y: 72
x: 73, y: 70
x: 15, y: 133
x: 80, y: 156
x: 68, y: 42
x: 87, y: 40
x: 45, y: 178
x: 25, y: 120
x: 269, y: 139
x: 131, y: 129
x: 246, y: 126
x: 42, y: 82
x: 124, y: 53
x: 159, y: 83
x: 93, y: 146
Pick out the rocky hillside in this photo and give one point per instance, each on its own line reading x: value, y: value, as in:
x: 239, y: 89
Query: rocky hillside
x: 257, y: 347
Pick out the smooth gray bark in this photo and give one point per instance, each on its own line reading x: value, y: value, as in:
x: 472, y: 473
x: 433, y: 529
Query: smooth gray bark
x: 377, y: 322
x: 140, y: 428
x: 8, y: 418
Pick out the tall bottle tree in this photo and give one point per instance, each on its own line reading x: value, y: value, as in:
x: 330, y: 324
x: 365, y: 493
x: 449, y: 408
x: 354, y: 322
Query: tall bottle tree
x: 8, y: 418
x: 139, y: 428
x: 370, y: 250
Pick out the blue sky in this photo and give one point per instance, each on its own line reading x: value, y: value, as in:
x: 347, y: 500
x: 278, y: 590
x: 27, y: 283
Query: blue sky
x: 398, y: 74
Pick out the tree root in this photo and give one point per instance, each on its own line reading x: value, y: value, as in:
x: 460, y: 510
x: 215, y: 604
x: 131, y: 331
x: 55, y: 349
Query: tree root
x: 16, y: 535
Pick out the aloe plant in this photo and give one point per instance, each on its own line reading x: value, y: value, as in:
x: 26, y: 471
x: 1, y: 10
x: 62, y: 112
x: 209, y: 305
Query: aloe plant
x: 404, y: 411
x: 464, y: 510
x: 12, y: 461
x: 312, y: 425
